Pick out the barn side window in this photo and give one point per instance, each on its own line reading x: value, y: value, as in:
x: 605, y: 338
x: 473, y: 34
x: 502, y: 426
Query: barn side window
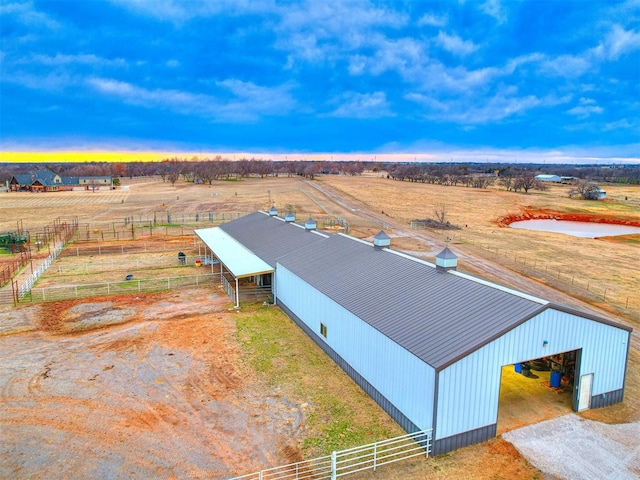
x: 323, y: 330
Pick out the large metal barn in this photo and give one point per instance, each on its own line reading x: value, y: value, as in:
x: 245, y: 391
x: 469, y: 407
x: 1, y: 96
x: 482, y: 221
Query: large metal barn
x: 428, y: 343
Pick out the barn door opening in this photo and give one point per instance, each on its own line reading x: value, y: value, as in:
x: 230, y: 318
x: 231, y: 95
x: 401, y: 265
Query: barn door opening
x: 536, y: 390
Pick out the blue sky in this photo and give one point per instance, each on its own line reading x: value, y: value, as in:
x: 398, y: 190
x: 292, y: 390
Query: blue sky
x: 439, y: 80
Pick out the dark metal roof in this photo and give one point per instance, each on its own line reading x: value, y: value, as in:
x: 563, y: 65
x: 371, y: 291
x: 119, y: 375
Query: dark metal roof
x: 446, y: 254
x: 437, y: 317
x: 46, y: 177
x: 270, y: 237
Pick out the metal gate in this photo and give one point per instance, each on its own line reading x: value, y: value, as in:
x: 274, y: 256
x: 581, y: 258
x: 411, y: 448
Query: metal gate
x: 352, y: 460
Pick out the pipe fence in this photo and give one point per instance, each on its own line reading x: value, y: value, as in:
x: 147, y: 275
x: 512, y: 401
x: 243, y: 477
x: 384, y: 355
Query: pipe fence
x: 346, y: 462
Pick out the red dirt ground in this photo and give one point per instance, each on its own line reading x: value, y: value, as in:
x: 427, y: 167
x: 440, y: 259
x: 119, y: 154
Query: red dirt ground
x: 159, y: 392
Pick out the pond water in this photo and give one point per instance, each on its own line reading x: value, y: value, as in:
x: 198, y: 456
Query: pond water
x: 577, y: 229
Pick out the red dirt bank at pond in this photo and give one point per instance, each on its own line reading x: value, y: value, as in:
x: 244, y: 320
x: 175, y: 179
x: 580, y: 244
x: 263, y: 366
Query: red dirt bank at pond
x: 543, y: 214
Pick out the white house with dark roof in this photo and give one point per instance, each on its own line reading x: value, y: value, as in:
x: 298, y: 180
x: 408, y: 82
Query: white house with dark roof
x: 428, y: 343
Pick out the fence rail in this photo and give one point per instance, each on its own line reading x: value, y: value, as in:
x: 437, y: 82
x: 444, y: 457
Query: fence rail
x: 8, y: 269
x: 124, y: 249
x: 66, y: 292
x: 564, y: 278
x: 349, y: 461
x: 111, y: 265
x: 26, y: 286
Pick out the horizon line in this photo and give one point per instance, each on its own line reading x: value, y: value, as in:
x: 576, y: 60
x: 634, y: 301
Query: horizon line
x: 459, y: 156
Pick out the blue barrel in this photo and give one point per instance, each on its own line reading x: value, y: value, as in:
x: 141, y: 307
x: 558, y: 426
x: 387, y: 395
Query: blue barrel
x: 554, y: 379
x: 518, y: 367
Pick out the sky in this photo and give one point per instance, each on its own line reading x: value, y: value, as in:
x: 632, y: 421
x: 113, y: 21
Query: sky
x: 546, y: 80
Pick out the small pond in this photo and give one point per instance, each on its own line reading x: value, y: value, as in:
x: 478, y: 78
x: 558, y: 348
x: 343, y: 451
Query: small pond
x: 577, y: 229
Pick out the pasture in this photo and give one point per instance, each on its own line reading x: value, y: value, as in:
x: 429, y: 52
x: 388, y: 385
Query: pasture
x: 188, y: 359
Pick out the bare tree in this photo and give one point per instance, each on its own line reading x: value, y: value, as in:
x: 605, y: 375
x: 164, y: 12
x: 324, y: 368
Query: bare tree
x: 526, y: 181
x: 440, y: 211
x: 586, y: 190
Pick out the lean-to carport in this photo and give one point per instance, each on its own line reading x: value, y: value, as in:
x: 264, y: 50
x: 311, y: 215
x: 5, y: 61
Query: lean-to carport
x: 234, y: 257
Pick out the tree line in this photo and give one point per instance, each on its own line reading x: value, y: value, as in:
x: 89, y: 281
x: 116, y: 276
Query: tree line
x: 513, y: 177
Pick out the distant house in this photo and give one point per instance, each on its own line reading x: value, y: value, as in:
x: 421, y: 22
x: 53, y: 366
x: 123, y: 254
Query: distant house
x: 548, y: 178
x: 48, y: 181
x: 92, y: 181
x: 602, y: 194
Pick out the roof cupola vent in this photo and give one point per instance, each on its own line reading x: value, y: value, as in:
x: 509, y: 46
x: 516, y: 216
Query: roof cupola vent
x: 446, y: 260
x: 310, y: 224
x: 381, y: 240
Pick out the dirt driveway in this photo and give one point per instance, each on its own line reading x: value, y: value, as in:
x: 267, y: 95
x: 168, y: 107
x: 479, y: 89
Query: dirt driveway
x: 134, y: 387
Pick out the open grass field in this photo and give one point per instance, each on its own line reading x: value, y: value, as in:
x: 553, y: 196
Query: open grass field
x: 263, y: 346
x: 610, y: 264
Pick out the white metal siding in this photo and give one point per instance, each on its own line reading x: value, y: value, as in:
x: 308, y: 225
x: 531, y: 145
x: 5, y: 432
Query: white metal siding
x: 401, y: 377
x: 469, y: 389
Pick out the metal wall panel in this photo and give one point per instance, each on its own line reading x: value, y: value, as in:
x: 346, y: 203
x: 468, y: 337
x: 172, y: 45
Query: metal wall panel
x: 401, y: 377
x: 471, y: 437
x: 380, y: 399
x: 606, y: 399
x: 469, y: 389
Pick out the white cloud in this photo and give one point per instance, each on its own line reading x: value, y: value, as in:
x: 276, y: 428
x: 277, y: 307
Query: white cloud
x: 28, y: 15
x: 172, y: 63
x: 318, y: 32
x: 503, y: 104
x: 62, y: 59
x: 456, y: 45
x: 405, y: 56
x: 566, y: 66
x: 247, y: 103
x: 495, y: 9
x: 179, y: 11
x: 586, y: 107
x: 433, y: 20
x: 362, y: 105
x: 52, y: 82
x: 619, y: 42
x: 259, y: 99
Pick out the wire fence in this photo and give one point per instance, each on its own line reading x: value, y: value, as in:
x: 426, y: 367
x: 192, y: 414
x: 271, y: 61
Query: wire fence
x: 68, y: 292
x: 573, y: 281
x: 89, y: 250
x: 129, y: 265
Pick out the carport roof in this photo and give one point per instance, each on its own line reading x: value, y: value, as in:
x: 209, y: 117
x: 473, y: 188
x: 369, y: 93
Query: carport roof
x: 238, y: 259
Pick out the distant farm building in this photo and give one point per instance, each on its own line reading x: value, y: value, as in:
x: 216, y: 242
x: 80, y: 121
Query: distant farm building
x: 428, y: 343
x: 555, y: 179
x: 48, y: 181
x: 548, y: 178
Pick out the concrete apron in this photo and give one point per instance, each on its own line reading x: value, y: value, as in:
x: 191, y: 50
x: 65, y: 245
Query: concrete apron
x: 572, y: 447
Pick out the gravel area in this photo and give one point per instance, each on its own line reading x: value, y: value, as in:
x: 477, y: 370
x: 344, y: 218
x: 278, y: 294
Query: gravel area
x: 572, y: 447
